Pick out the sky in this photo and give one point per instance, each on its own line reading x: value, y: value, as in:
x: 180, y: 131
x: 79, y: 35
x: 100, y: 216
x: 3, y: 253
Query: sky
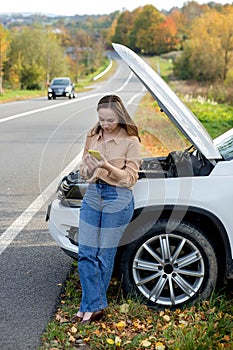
x: 81, y: 7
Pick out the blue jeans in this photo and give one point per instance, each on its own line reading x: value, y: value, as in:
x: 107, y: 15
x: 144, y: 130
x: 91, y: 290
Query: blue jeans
x: 106, y: 211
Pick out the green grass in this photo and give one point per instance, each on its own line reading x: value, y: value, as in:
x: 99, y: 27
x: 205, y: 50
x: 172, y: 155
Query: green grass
x: 16, y: 95
x: 216, y: 118
x: 162, y: 66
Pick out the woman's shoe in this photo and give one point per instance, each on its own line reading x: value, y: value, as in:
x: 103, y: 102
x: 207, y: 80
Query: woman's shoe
x: 95, y: 316
x: 77, y: 318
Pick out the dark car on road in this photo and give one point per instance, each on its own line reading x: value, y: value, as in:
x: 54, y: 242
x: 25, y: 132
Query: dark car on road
x: 61, y: 87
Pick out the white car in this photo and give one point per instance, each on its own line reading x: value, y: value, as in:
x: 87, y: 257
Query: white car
x: 179, y: 244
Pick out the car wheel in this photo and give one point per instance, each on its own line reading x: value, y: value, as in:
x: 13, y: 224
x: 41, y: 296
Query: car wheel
x: 169, y: 268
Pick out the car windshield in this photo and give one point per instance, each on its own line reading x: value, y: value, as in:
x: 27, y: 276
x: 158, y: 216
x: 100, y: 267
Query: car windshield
x: 225, y: 144
x: 60, y: 82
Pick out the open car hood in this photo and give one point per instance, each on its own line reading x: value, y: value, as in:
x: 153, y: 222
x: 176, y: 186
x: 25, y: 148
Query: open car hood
x: 170, y: 103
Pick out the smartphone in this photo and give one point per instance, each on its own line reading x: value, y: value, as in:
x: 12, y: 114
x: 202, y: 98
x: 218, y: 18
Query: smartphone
x: 95, y: 153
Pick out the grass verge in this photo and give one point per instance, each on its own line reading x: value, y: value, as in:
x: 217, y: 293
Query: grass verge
x: 17, y: 95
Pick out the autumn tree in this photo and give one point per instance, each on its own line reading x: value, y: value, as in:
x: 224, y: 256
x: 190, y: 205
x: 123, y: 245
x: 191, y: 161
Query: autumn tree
x: 34, y: 55
x: 4, y: 43
x: 124, y: 26
x: 168, y: 35
x: 208, y: 54
x: 192, y: 10
x: 178, y: 17
x: 146, y: 30
x: 226, y: 38
x: 145, y: 33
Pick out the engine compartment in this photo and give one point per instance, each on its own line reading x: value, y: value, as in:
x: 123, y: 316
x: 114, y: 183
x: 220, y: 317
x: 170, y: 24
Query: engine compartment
x: 72, y: 187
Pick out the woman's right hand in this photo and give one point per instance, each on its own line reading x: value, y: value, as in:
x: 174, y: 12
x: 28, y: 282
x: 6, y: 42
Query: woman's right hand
x: 91, y: 163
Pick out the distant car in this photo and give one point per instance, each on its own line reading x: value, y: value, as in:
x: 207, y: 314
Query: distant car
x: 61, y: 87
x: 179, y: 244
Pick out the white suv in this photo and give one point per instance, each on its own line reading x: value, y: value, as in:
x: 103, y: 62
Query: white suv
x: 179, y: 244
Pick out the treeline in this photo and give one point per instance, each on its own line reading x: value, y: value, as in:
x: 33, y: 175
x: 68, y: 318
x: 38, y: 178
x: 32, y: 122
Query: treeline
x: 33, y: 52
x: 198, y: 37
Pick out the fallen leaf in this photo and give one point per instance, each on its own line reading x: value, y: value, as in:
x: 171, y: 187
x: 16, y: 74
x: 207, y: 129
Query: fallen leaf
x: 145, y: 343
x: 121, y: 324
x: 167, y: 318
x: 159, y: 346
x: 226, y: 337
x: 124, y: 308
x: 72, y: 339
x: 118, y: 341
x: 110, y: 341
x: 73, y: 330
x: 211, y: 311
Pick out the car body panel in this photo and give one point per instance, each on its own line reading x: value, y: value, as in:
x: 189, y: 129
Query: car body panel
x: 170, y: 103
x: 61, y: 218
x: 173, y: 192
x: 224, y: 143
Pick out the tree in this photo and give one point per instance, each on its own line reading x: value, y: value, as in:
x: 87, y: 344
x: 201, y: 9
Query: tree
x: 125, y: 23
x: 226, y: 37
x: 168, y: 35
x: 145, y: 32
x: 4, y: 43
x: 208, y: 53
x: 34, y: 56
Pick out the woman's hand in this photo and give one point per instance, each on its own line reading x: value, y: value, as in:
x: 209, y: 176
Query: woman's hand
x: 93, y: 163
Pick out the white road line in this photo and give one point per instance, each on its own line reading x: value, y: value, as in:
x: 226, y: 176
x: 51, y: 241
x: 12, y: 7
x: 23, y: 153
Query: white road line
x: 20, y: 115
x: 18, y: 225
x: 126, y: 82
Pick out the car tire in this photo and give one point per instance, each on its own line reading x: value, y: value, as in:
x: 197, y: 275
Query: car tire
x: 171, y: 265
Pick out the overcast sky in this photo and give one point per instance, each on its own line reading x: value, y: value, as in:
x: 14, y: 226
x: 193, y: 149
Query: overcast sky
x: 80, y: 7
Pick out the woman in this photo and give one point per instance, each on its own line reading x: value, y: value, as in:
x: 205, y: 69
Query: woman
x: 108, y: 203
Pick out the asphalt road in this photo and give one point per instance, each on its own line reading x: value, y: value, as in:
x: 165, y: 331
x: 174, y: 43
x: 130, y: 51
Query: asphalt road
x: 39, y: 139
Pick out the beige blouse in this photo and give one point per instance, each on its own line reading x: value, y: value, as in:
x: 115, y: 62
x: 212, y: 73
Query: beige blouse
x: 122, y: 152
